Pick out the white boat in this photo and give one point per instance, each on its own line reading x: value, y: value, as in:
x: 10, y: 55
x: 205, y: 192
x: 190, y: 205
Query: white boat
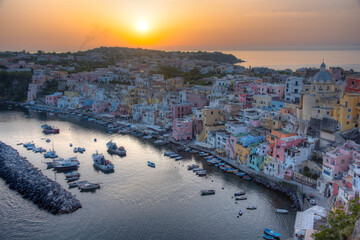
x: 201, y: 173
x: 251, y: 207
x: 89, y: 186
x: 239, y: 193
x: 197, y: 169
x: 282, y: 211
x: 240, y: 198
x: 101, y: 163
x: 161, y: 142
x: 114, y: 149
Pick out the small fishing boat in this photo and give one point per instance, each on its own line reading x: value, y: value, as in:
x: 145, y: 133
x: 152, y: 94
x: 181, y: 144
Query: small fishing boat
x: 174, y: 155
x: 75, y: 150
x: 71, y: 179
x: 197, y: 169
x: 70, y: 145
x: 239, y: 193
x: 265, y: 236
x: 207, y: 192
x: 148, y: 137
x: 251, y: 207
x: 272, y: 233
x: 201, y: 173
x: 248, y: 178
x: 240, y: 198
x: 150, y: 164
x: 39, y: 150
x: 49, y: 129
x: 240, y: 212
x: 47, y: 140
x: 178, y: 158
x: 72, y: 174
x: 168, y: 153
x: 101, y: 163
x: 282, y: 211
x: 89, y: 186
x: 81, y: 150
x: 50, y: 154
x: 114, y: 149
x: 77, y: 184
x: 66, y: 165
x: 192, y: 166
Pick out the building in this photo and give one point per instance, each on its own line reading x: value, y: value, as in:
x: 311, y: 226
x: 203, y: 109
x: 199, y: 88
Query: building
x: 182, y: 129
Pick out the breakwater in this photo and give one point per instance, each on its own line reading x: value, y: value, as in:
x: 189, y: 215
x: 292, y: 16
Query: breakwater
x: 29, y: 181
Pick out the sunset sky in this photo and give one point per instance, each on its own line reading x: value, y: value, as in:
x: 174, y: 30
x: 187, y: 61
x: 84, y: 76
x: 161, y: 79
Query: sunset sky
x: 72, y: 25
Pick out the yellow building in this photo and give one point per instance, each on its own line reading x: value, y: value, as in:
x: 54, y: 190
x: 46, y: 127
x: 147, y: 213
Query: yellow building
x: 269, y: 123
x: 203, y: 136
x: 71, y: 94
x: 261, y: 101
x: 242, y: 153
x: 348, y: 110
x: 212, y: 116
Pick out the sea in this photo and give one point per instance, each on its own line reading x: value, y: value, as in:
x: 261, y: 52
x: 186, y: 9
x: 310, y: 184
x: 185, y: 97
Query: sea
x: 295, y: 59
x: 135, y: 201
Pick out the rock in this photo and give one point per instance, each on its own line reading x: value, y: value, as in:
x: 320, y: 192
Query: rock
x: 22, y: 176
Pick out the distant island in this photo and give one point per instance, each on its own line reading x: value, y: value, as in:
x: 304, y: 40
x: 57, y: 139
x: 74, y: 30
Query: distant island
x: 112, y: 54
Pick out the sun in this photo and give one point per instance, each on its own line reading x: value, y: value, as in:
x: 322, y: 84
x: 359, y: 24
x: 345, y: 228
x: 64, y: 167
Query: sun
x: 142, y: 26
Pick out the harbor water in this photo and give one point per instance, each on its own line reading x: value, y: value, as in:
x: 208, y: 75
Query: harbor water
x: 135, y: 201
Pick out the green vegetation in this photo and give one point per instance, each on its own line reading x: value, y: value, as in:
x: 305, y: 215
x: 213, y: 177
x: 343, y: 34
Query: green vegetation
x: 14, y: 85
x: 193, y: 77
x: 310, y: 174
x: 340, y: 223
x: 51, y: 87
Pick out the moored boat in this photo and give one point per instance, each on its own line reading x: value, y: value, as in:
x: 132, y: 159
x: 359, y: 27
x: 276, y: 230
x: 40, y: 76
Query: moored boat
x: 192, y: 166
x: 268, y: 237
x: 201, y: 173
x: 239, y: 193
x: 101, y: 163
x: 178, y: 158
x: 89, y: 186
x: 50, y: 154
x: 114, y: 149
x: 150, y: 164
x: 240, y: 212
x: 282, y: 211
x: 251, y: 207
x: 161, y: 142
x: 207, y: 192
x: 49, y: 129
x: 272, y: 233
x: 240, y: 198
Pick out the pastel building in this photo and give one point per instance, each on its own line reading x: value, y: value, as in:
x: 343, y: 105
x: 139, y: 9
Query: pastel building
x: 262, y: 101
x: 338, y: 161
x: 52, y: 99
x: 293, y: 89
x: 181, y: 109
x: 182, y: 129
x: 244, y: 147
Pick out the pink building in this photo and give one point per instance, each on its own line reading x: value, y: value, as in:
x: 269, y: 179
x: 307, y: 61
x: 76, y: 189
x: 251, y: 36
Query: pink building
x: 197, y: 99
x: 181, y: 109
x: 230, y: 146
x: 182, y: 129
x: 282, y: 144
x: 337, y: 162
x: 273, y: 89
x: 52, y: 99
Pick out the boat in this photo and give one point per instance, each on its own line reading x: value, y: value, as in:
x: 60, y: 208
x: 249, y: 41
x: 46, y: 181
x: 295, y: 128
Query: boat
x: 89, y: 186
x: 272, y: 233
x: 81, y: 150
x: 72, y: 174
x: 197, y: 169
x: 239, y: 193
x: 70, y: 145
x: 30, y: 147
x: 75, y: 150
x: 178, y: 158
x: 174, y: 155
x: 47, y: 140
x: 71, y: 179
x: 50, y: 154
x: 240, y: 198
x: 66, y: 165
x: 148, y: 137
x: 114, y: 149
x: 251, y: 207
x: 101, y: 163
x: 39, y: 150
x: 282, y: 211
x: 240, y: 212
x: 248, y: 178
x: 192, y: 166
x: 77, y: 184
x: 168, y: 153
x: 201, y: 173
x: 151, y: 164
x: 265, y: 236
x: 49, y: 129
x: 240, y: 174
x: 207, y: 192
x: 312, y: 202
x: 160, y: 142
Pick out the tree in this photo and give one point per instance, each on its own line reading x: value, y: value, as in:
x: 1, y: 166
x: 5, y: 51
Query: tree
x: 340, y: 223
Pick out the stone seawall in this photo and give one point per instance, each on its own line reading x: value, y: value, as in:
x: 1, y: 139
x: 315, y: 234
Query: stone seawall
x: 22, y: 176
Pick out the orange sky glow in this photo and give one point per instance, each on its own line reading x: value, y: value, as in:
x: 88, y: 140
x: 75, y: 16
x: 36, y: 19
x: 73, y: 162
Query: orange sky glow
x: 69, y: 25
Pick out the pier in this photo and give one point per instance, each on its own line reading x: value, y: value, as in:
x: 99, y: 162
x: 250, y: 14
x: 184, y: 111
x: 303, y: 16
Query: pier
x: 22, y: 176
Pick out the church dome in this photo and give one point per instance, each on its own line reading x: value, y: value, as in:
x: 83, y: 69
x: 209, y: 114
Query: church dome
x: 323, y: 76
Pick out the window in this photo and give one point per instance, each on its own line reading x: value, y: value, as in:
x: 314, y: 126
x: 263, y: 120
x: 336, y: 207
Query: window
x: 343, y: 161
x: 348, y: 117
x: 212, y: 113
x: 349, y: 110
x: 345, y: 103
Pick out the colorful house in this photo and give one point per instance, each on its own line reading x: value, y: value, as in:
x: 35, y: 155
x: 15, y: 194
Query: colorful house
x: 182, y: 129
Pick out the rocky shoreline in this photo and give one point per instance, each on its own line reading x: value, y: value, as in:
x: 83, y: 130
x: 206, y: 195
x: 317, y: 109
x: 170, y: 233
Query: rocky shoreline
x: 22, y: 176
